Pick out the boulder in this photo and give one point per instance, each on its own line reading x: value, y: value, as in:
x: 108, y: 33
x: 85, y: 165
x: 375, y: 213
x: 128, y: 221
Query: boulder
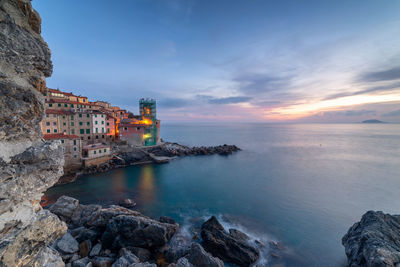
x: 82, y: 233
x: 142, y: 253
x: 373, y: 241
x: 178, y: 247
x: 182, y: 262
x: 67, y: 244
x: 227, y: 247
x: 200, y: 258
x: 143, y: 264
x: 238, y: 234
x: 126, y: 258
x: 84, y: 248
x: 127, y: 203
x: 166, y: 219
x: 136, y: 231
x: 81, y: 262
x: 64, y: 207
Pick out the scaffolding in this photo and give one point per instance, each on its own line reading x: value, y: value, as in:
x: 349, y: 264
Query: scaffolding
x: 147, y: 109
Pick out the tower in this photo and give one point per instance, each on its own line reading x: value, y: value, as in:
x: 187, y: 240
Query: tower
x: 148, y: 113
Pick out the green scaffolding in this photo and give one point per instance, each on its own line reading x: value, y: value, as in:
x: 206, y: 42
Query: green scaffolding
x: 148, y: 110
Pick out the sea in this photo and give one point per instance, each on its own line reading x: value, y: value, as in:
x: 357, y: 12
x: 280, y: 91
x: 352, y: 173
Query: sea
x: 297, y: 188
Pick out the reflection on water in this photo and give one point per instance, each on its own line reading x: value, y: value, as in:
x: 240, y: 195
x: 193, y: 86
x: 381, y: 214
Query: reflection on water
x: 146, y: 185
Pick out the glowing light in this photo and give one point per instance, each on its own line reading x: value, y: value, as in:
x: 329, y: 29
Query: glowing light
x: 146, y: 136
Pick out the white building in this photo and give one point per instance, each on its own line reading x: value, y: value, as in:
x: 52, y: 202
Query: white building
x: 99, y: 123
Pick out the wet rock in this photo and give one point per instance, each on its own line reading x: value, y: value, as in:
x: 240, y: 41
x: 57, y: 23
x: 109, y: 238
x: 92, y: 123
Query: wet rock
x: 67, y: 244
x: 83, y: 213
x: 136, y: 231
x: 84, y: 248
x: 127, y: 203
x: 102, y: 261
x: 225, y: 246
x: 81, y: 262
x: 101, y: 218
x: 177, y: 247
x: 82, y: 233
x: 373, y: 241
x: 182, y: 262
x: 166, y: 219
x: 95, y: 250
x: 199, y: 257
x: 238, y: 234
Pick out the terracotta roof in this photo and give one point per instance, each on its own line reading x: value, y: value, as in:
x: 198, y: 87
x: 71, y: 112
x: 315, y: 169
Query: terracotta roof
x: 53, y: 100
x: 59, y: 136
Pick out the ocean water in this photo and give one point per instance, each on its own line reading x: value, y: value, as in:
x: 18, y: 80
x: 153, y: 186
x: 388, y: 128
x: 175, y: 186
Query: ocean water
x: 302, y: 185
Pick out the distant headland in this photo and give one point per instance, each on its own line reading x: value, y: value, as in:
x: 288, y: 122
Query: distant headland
x: 373, y: 121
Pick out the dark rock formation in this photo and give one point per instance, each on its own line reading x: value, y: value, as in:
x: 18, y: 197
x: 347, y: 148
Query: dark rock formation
x: 28, y: 165
x: 231, y: 248
x: 374, y: 241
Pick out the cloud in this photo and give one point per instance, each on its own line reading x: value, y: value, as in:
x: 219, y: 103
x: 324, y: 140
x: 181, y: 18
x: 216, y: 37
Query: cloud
x: 260, y: 83
x: 386, y: 75
x: 229, y: 100
x: 392, y: 113
x: 349, y: 113
x: 375, y: 89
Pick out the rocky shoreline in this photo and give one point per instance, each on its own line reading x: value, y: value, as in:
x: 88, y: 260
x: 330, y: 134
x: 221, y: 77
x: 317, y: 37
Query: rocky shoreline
x: 125, y: 155
x: 121, y: 237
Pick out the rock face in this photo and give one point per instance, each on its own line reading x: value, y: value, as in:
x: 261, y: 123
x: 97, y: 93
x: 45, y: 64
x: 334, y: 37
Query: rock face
x: 374, y: 241
x: 231, y: 247
x: 28, y: 165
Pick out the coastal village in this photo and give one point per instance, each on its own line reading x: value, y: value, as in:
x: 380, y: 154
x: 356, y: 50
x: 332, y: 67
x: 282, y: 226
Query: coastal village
x: 87, y: 130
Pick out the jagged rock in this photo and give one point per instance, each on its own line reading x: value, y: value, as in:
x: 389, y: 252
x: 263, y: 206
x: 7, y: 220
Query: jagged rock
x: 95, y: 250
x: 81, y: 262
x: 238, y: 234
x: 83, y: 213
x: 225, y: 246
x: 178, y: 247
x: 182, y: 262
x: 200, y: 258
x: 82, y: 233
x: 64, y: 207
x: 47, y: 257
x: 67, y: 244
x: 127, y: 203
x: 137, y: 231
x: 126, y: 258
x: 102, y: 261
x: 374, y: 241
x: 143, y: 264
x: 101, y: 218
x: 166, y: 219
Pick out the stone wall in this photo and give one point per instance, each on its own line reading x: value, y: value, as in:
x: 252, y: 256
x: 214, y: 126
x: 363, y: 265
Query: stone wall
x: 28, y: 165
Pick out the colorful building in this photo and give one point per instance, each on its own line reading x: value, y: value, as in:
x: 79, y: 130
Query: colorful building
x: 96, y: 154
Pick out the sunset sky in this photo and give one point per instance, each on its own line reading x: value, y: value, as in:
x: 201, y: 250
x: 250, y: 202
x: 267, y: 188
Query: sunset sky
x: 307, y: 61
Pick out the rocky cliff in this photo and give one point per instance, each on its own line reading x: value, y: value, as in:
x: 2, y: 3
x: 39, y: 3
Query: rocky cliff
x: 28, y: 165
x: 374, y: 241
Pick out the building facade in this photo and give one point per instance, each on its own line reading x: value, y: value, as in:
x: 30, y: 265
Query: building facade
x: 72, y: 148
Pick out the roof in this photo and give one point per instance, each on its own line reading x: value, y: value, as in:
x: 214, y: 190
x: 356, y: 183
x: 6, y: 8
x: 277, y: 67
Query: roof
x: 96, y: 146
x: 59, y: 136
x: 53, y: 100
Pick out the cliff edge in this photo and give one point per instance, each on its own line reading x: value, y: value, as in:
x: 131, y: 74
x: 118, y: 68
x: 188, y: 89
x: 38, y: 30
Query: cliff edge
x: 28, y: 165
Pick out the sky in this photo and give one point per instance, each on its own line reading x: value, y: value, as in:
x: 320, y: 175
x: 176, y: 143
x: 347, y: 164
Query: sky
x: 244, y: 61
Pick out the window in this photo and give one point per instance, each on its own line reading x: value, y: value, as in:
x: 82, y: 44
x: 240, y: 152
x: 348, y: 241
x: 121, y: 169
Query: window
x: 84, y: 100
x: 74, y: 142
x: 105, y: 150
x: 72, y: 105
x: 102, y: 122
x: 108, y: 124
x: 72, y: 117
x: 62, y: 141
x: 102, y: 136
x: 72, y: 123
x: 94, y: 152
x: 74, y: 148
x: 50, y: 105
x: 102, y: 130
x: 97, y: 130
x: 65, y: 131
x: 65, y: 105
x: 64, y: 124
x: 90, y: 106
x: 59, y: 105
x: 54, y: 123
x: 82, y: 131
x: 74, y: 156
x: 44, y: 93
x: 102, y: 116
x: 97, y: 137
x: 55, y: 130
x: 48, y: 130
x: 54, y: 116
x: 88, y: 131
x: 80, y: 115
x: 63, y: 117
x: 47, y: 123
x: 95, y: 122
x: 80, y: 123
x: 88, y: 138
x: 95, y: 115
x: 88, y: 115
x: 108, y: 130
x: 72, y: 131
x: 47, y: 115
x: 99, y: 150
x: 126, y: 129
x: 88, y: 123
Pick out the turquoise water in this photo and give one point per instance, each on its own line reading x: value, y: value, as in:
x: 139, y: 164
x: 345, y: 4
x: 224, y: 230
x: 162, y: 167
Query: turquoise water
x: 302, y: 185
